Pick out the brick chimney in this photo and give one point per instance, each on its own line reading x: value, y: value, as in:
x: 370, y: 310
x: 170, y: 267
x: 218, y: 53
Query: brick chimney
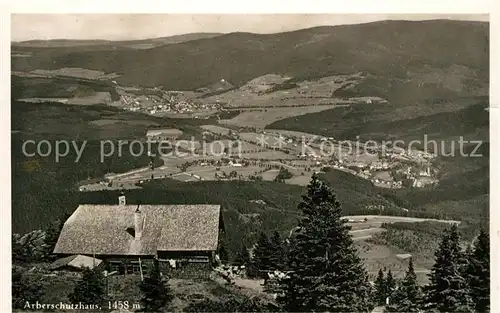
x: 138, y: 223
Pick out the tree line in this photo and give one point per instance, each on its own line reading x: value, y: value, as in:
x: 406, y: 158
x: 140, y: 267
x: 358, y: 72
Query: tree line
x: 459, y: 280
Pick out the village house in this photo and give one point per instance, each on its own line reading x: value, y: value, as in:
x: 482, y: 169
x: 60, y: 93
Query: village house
x: 425, y: 172
x: 127, y: 238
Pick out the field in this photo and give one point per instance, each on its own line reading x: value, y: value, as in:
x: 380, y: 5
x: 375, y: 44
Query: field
x: 197, y: 114
x: 263, y: 83
x: 269, y: 155
x: 375, y: 220
x: 249, y: 148
x: 76, y: 72
x: 217, y: 148
x: 260, y: 118
x: 105, y: 122
x: 299, y: 179
x: 208, y: 173
x: 216, y: 129
x: 44, y: 100
x: 285, y: 93
x: 293, y: 134
x: 269, y: 175
x: 96, y: 98
x: 420, y: 239
x: 270, y: 141
x: 383, y: 257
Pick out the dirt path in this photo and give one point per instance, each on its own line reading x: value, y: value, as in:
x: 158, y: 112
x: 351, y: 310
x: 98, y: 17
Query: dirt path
x: 256, y: 285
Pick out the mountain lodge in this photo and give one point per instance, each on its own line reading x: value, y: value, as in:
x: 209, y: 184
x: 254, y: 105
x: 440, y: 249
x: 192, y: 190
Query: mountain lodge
x: 183, y: 238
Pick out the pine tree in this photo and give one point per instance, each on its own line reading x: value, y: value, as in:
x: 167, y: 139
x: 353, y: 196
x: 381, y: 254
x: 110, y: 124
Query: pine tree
x: 24, y: 289
x: 19, y: 252
x: 51, y: 237
x: 228, y: 303
x: 277, y: 251
x: 221, y: 249
x: 366, y: 294
x: 263, y: 255
x: 478, y: 272
x: 408, y: 297
x: 380, y: 290
x: 448, y: 289
x: 252, y: 271
x: 326, y: 272
x: 155, y: 292
x: 390, y: 286
x: 243, y: 256
x: 91, y: 289
x: 223, y: 254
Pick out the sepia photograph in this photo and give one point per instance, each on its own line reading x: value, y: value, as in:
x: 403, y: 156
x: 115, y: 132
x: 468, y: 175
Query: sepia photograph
x: 250, y: 162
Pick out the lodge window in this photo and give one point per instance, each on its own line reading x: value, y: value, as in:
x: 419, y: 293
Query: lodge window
x: 135, y: 267
x: 115, y: 266
x: 199, y: 260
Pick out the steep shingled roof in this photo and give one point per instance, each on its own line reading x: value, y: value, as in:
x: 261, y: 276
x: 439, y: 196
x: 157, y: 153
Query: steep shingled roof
x: 104, y: 229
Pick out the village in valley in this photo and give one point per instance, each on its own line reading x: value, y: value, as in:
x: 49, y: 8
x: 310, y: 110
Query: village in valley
x: 261, y: 155
x: 247, y: 151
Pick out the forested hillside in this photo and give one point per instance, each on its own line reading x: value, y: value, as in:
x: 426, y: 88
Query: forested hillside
x: 390, y: 50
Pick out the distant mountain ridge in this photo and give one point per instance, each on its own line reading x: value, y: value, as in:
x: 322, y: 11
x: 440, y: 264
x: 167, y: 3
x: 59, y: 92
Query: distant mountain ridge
x: 385, y: 49
x: 55, y: 43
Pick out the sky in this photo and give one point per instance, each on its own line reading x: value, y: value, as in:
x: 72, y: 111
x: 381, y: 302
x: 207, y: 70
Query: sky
x: 141, y: 26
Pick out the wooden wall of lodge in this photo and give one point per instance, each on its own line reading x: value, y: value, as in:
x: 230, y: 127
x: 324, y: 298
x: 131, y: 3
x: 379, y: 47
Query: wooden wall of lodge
x: 195, y: 264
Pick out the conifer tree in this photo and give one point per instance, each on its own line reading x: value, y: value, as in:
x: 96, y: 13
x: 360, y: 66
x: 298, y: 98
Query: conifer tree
x: 390, y: 286
x: 263, y: 253
x: 223, y: 254
x: 478, y: 272
x: 155, y: 292
x: 408, y: 297
x: 52, y: 235
x: 24, y: 289
x: 448, y: 289
x: 365, y: 293
x: 380, y: 290
x: 243, y: 256
x: 277, y: 251
x: 252, y: 271
x: 326, y: 272
x: 221, y: 249
x: 91, y: 289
